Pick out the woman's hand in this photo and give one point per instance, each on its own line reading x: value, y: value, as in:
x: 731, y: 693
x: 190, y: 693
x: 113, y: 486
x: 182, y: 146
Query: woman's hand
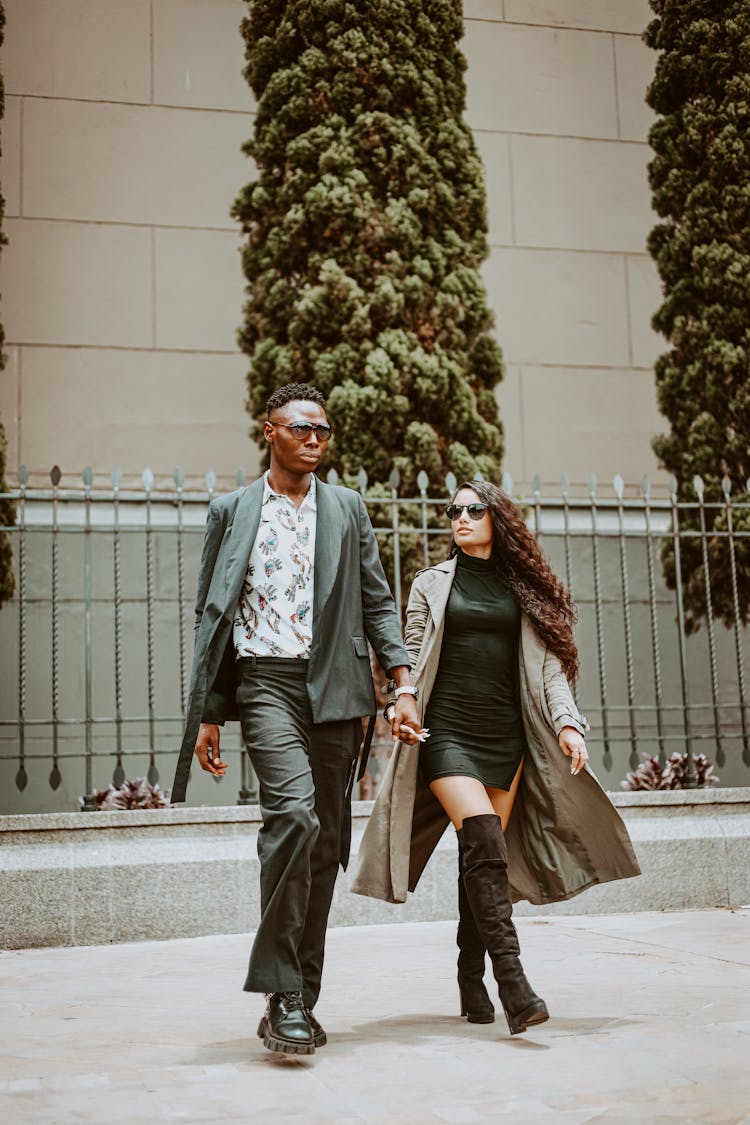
x: 573, y: 745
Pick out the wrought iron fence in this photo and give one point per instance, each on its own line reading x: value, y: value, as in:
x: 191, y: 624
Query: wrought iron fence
x: 97, y: 638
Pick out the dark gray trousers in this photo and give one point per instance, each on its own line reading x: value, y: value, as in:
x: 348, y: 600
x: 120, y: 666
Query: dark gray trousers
x: 304, y: 771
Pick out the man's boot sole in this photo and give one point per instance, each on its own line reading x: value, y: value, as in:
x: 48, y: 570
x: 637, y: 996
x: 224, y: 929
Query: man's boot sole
x: 283, y: 1046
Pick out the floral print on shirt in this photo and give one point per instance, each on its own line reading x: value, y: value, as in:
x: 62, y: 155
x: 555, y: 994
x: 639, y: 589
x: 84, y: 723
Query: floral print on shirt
x: 274, y: 613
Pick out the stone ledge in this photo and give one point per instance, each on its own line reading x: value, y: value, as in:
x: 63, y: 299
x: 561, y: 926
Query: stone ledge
x: 249, y: 814
x: 671, y: 798
x: 68, y: 879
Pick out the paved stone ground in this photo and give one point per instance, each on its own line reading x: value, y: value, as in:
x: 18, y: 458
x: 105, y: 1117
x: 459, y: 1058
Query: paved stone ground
x: 650, y: 1023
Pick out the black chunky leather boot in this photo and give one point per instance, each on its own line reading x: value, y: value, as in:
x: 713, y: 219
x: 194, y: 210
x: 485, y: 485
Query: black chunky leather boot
x: 485, y: 870
x: 475, y: 1001
x: 284, y: 1026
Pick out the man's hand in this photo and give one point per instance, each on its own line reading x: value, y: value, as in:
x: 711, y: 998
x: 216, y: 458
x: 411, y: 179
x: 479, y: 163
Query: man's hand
x: 573, y: 745
x: 207, y: 750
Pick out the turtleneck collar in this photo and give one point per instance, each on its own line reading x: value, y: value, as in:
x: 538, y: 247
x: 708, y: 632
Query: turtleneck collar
x: 473, y: 562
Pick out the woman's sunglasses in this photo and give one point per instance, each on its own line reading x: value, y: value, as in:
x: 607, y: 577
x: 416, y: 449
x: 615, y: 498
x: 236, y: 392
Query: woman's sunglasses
x: 474, y: 511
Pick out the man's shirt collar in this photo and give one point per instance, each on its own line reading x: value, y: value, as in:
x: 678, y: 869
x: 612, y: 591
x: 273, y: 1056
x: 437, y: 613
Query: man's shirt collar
x: 308, y: 502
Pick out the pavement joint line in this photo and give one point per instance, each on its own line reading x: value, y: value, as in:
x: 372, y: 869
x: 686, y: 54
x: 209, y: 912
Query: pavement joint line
x: 670, y: 948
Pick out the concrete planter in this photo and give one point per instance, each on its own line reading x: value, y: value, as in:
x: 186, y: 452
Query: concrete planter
x: 94, y: 878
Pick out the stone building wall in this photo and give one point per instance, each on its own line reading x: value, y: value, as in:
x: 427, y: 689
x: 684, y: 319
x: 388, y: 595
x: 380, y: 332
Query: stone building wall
x: 122, y: 288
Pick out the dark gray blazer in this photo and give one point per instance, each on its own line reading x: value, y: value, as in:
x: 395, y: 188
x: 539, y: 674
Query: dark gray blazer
x: 352, y: 604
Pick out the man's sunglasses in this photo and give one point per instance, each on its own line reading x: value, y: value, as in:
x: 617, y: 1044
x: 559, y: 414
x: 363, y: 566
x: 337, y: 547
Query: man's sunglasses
x: 475, y: 511
x: 302, y: 430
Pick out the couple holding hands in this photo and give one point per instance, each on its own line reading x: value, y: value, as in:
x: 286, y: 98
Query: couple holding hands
x: 290, y: 591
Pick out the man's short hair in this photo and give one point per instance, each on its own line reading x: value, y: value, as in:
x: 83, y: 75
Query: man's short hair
x: 294, y: 392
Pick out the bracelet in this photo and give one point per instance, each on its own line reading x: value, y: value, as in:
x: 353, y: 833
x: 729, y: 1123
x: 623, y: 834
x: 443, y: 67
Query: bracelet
x: 406, y: 691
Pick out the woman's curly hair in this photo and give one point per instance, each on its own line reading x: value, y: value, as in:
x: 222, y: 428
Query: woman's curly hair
x: 541, y: 595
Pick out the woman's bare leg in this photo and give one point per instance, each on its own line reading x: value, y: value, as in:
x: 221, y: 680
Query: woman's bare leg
x: 461, y: 797
x: 503, y: 799
x: 465, y: 796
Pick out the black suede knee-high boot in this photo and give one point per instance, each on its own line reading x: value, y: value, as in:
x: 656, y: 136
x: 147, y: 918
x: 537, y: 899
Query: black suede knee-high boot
x: 475, y: 1001
x: 485, y: 870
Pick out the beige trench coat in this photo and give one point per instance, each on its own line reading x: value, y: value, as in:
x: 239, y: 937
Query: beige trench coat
x: 564, y: 834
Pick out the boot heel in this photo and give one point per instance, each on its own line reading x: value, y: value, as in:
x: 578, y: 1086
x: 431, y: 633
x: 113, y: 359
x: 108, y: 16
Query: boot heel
x: 484, y: 1013
x: 520, y: 1021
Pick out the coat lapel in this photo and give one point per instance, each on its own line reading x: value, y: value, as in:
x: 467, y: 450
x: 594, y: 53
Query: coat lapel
x: 329, y: 530
x: 243, y: 531
x: 438, y: 591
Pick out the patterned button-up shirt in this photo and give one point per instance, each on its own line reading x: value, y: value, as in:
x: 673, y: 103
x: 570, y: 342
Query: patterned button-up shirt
x: 274, y: 613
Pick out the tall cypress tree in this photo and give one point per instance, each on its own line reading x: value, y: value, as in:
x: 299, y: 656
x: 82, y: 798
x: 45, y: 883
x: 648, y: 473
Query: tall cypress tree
x: 7, y: 510
x: 365, y: 231
x: 700, y: 176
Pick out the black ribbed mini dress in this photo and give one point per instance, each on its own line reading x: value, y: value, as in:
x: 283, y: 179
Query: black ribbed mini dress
x: 474, y: 710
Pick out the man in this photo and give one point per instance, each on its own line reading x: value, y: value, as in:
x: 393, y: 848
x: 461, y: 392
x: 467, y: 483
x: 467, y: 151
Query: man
x: 290, y: 590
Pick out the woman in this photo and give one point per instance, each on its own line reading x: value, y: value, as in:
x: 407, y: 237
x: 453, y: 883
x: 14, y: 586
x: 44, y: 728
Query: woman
x: 490, y: 637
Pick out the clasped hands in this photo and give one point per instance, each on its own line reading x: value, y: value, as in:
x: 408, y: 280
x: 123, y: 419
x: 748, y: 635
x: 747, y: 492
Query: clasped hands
x: 404, y: 720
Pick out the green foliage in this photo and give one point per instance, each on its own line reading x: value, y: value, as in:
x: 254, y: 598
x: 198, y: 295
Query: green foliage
x: 365, y: 231
x: 7, y: 510
x: 700, y: 177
